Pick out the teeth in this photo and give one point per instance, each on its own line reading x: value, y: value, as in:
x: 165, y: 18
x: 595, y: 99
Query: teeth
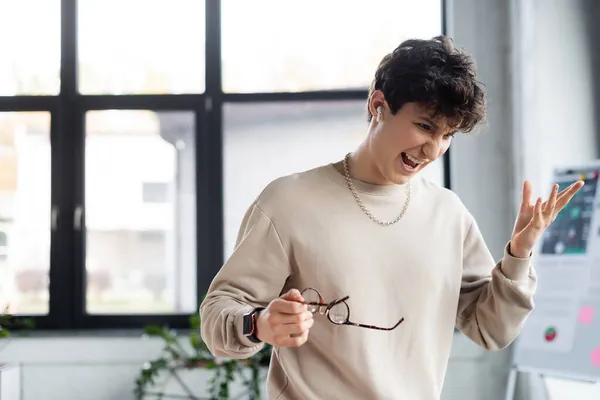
x: 414, y: 159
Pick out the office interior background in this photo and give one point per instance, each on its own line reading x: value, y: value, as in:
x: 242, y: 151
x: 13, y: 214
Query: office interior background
x: 135, y: 133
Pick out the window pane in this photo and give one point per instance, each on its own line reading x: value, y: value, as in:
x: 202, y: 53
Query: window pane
x: 292, y: 46
x: 140, y: 212
x: 265, y: 141
x: 25, y: 211
x: 141, y: 46
x: 30, y: 47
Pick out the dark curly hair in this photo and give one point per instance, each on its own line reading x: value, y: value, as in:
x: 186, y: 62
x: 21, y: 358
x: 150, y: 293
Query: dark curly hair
x: 436, y: 74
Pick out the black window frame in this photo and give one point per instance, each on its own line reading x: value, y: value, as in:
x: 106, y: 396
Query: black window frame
x: 67, y: 134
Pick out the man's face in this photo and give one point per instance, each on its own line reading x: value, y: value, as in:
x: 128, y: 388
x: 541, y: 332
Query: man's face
x: 401, y: 145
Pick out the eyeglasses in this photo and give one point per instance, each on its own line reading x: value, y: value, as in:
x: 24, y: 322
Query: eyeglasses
x: 337, y: 311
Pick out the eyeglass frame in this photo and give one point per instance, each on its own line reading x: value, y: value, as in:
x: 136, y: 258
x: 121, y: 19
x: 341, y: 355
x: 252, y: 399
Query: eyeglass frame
x: 324, y: 308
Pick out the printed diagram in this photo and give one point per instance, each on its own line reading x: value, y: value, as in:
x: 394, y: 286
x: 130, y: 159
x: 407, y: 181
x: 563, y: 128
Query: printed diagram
x: 568, y: 234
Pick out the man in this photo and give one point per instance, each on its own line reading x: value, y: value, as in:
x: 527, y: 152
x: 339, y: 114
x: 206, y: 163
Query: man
x: 358, y: 271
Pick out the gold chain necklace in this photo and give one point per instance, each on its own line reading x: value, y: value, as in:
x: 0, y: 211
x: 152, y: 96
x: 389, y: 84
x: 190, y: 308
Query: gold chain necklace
x: 361, y: 204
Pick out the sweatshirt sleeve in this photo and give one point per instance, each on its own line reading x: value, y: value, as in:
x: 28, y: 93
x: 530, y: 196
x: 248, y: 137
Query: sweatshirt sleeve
x: 252, y: 277
x: 495, y: 298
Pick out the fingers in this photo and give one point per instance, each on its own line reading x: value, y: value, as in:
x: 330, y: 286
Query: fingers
x: 284, y: 324
x: 573, y: 187
x: 541, y: 215
x: 293, y: 329
x: 527, y: 190
x: 286, y: 321
x: 280, y: 327
x: 289, y: 303
x: 556, y: 202
x: 550, y: 205
x: 567, y: 194
x: 293, y: 295
x: 288, y: 307
x: 294, y: 341
x: 538, y: 217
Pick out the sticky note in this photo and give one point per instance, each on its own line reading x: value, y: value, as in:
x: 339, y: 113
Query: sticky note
x: 586, y: 315
x: 595, y: 356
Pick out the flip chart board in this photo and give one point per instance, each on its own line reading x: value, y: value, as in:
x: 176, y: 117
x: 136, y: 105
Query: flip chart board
x: 562, y: 335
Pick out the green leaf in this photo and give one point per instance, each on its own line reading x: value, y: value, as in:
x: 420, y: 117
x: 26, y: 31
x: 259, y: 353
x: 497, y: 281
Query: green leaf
x: 211, y: 365
x: 162, y: 332
x: 195, y: 321
x: 28, y: 324
x: 174, y: 353
x: 160, y: 363
x: 153, y: 330
x: 197, y: 343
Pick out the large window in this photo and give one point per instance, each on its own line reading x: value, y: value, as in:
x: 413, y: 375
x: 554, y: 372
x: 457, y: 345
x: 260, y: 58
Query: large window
x: 289, y: 46
x: 30, y: 58
x: 25, y: 215
x: 140, y: 201
x: 134, y: 135
x: 140, y: 46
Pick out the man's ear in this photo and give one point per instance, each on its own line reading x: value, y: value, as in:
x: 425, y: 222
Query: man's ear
x: 377, y: 104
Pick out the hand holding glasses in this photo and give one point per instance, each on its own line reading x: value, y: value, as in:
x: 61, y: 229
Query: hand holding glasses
x: 337, y: 311
x: 285, y: 322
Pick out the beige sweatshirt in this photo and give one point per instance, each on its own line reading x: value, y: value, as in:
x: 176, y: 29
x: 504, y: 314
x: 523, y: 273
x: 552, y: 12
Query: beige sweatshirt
x: 431, y: 268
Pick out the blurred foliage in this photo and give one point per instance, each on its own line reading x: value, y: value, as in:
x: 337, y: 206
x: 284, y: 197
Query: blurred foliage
x: 175, y: 358
x: 10, y: 323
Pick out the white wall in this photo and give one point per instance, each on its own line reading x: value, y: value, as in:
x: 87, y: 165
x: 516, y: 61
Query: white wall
x: 560, y: 104
x: 71, y: 367
x: 483, y: 176
x: 102, y: 367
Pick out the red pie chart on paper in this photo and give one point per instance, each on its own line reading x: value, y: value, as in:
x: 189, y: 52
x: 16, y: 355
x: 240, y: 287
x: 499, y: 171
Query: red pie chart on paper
x: 550, y: 334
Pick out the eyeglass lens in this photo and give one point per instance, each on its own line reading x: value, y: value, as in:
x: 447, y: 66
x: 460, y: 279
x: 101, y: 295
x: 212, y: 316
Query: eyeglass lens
x: 339, y: 313
x: 311, y: 296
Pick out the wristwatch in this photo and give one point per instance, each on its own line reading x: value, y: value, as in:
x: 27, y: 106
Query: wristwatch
x: 249, y: 324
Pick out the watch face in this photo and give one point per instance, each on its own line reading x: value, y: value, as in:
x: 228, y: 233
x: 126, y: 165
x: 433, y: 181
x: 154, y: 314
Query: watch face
x: 247, y: 329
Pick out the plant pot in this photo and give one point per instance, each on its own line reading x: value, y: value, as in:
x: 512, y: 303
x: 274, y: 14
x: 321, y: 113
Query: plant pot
x: 10, y: 382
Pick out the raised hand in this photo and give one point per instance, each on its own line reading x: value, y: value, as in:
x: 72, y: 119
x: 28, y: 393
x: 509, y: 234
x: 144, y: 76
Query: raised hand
x: 533, y: 219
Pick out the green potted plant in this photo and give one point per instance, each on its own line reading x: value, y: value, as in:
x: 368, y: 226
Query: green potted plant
x: 9, y: 322
x: 189, y: 355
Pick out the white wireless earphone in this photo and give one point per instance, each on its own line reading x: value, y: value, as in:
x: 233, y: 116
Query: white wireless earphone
x: 379, y: 114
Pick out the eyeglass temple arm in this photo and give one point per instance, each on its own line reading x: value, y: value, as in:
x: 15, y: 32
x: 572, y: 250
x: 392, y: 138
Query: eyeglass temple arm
x: 313, y: 303
x: 376, y: 327
x: 321, y: 304
x: 337, y: 301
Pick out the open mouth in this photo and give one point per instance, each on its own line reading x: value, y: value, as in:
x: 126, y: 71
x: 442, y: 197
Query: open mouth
x: 410, y: 163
